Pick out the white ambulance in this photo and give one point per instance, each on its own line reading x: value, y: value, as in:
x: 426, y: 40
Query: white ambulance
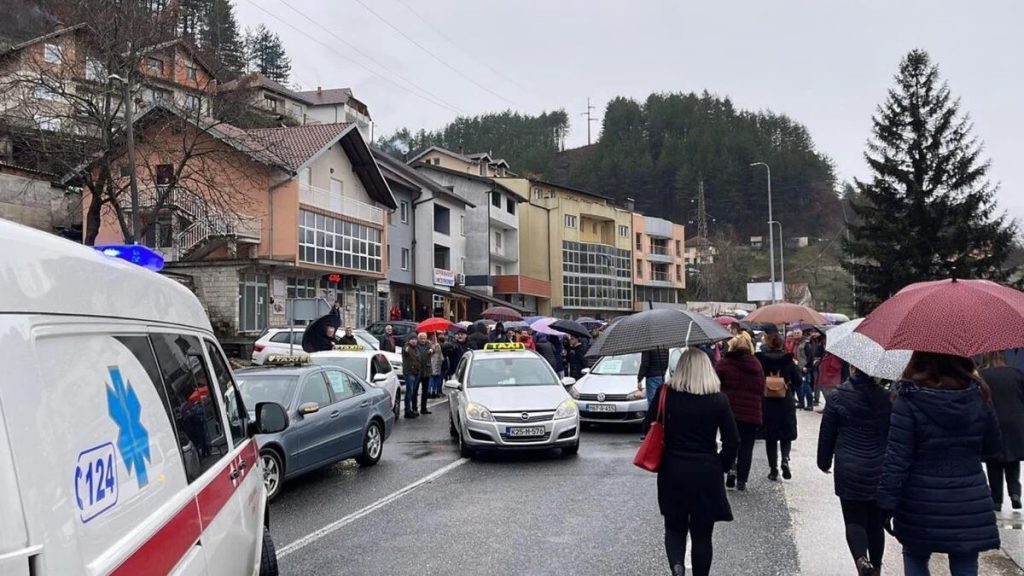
x: 124, y: 445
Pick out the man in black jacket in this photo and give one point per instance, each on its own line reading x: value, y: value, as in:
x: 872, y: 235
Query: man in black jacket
x: 576, y: 357
x: 453, y: 350
x: 477, y: 337
x: 389, y: 342
x: 653, y: 365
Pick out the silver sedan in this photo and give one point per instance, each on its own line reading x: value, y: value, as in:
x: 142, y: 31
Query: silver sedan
x: 511, y: 400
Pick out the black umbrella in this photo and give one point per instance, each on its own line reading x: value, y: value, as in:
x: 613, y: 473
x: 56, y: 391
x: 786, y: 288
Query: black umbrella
x: 659, y: 328
x: 315, y: 338
x: 570, y: 327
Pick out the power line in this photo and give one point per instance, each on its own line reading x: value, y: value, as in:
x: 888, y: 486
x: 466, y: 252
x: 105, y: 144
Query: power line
x: 425, y: 96
x: 448, y: 39
x: 432, y: 55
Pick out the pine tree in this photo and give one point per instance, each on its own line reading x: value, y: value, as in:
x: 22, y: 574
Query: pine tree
x: 929, y: 211
x: 265, y: 54
x: 220, y: 39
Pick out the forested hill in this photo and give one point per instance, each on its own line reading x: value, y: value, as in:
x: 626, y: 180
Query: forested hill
x: 659, y: 151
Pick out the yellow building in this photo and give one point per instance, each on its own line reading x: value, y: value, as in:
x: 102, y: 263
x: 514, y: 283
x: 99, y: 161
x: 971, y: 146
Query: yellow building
x: 580, y: 242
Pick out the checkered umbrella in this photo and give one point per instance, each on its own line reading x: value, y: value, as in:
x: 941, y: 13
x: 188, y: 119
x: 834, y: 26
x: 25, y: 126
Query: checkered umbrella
x: 501, y: 314
x: 658, y: 328
x: 866, y: 354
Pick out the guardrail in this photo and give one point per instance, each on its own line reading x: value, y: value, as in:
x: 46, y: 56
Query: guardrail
x: 350, y: 207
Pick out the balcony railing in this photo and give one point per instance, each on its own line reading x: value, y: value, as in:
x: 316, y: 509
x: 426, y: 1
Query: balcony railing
x: 321, y: 198
x: 660, y: 277
x: 659, y: 250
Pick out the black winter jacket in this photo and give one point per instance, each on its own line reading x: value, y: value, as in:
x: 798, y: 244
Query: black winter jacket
x: 854, y: 428
x: 1007, y: 385
x: 653, y: 363
x: 780, y: 413
x: 932, y: 478
x: 545, y: 349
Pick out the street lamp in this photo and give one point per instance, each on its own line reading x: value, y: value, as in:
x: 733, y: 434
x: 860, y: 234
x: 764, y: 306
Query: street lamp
x: 782, y: 256
x: 130, y: 135
x: 771, y: 230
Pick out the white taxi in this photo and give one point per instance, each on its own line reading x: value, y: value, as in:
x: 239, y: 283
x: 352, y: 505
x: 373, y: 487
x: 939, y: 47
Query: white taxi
x: 368, y: 364
x: 506, y: 397
x: 124, y: 445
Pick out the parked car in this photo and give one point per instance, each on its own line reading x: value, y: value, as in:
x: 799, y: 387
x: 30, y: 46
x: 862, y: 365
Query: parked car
x: 608, y: 392
x: 334, y: 415
x: 280, y: 341
x: 403, y: 329
x: 367, y: 363
x: 372, y: 343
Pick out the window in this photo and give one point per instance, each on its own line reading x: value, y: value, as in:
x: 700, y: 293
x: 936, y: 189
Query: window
x: 639, y: 268
x: 596, y: 276
x: 497, y: 239
x: 94, y: 70
x: 269, y: 102
x: 405, y: 258
x: 442, y: 220
x: 570, y: 221
x: 498, y: 270
x: 192, y: 102
x: 51, y: 53
x: 679, y: 248
x: 639, y: 241
x: 483, y: 169
x: 153, y: 96
x: 232, y: 402
x: 44, y: 122
x: 191, y: 72
x: 679, y: 273
x: 193, y: 403
x: 315, y: 390
x: 389, y: 255
x: 164, y: 175
x: 462, y: 265
x: 538, y: 193
x: 252, y: 302
x: 333, y: 242
x: 155, y: 65
x: 44, y: 93
x: 496, y: 199
x: 295, y: 110
x: 403, y: 211
x: 306, y: 176
x: 442, y: 257
x: 510, y: 205
x: 299, y: 288
x: 462, y: 225
x: 624, y: 231
x: 343, y: 386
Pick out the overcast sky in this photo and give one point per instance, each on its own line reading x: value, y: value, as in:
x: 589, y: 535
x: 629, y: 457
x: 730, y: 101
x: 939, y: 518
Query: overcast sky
x: 825, y: 64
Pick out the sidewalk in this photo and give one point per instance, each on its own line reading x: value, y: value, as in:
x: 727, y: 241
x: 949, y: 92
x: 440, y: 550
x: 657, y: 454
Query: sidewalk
x: 818, y: 520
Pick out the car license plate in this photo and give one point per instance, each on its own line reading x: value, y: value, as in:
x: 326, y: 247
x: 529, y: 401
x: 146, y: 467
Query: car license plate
x: 601, y: 408
x: 524, y: 432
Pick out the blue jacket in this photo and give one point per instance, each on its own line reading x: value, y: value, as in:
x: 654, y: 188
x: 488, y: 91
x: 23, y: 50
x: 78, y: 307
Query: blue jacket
x: 854, y: 427
x: 932, y: 479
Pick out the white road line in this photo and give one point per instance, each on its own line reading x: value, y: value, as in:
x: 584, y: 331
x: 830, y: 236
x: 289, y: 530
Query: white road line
x: 436, y: 402
x: 342, y: 522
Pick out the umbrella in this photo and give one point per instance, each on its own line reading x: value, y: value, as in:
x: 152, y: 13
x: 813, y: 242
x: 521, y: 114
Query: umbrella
x: 658, y: 328
x: 784, y: 313
x: 434, y: 325
x: 501, y: 314
x: 726, y: 321
x: 959, y: 317
x: 866, y: 354
x: 591, y: 324
x: 802, y: 326
x: 834, y: 318
x: 571, y: 327
x: 532, y: 319
x: 543, y: 326
x: 314, y: 338
x: 515, y: 325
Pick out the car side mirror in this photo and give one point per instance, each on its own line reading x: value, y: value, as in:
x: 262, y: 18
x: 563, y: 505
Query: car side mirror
x: 309, y: 408
x: 271, y: 418
x: 586, y: 371
x: 380, y: 377
x: 453, y: 385
x: 568, y: 382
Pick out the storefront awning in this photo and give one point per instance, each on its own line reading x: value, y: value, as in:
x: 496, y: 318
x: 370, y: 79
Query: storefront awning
x: 490, y: 300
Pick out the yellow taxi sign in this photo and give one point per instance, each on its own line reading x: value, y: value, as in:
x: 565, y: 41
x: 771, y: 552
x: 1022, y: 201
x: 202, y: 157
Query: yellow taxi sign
x: 503, y: 346
x: 286, y: 360
x: 349, y: 347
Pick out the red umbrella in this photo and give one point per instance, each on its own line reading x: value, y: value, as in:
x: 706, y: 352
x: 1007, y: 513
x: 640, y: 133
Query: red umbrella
x: 725, y: 321
x: 433, y: 325
x: 960, y: 317
x: 501, y: 314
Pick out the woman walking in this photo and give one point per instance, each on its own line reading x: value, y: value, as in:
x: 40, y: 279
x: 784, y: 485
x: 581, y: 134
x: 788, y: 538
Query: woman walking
x: 779, y: 411
x: 436, y: 364
x: 932, y: 483
x: 854, y: 428
x: 1007, y: 386
x: 691, y: 494
x: 743, y: 383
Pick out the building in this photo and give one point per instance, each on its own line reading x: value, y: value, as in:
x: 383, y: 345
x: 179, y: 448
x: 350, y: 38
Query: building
x: 580, y: 242
x: 338, y: 105
x: 275, y: 101
x: 478, y: 164
x: 659, y: 268
x: 30, y: 197
x: 297, y: 212
x: 699, y: 251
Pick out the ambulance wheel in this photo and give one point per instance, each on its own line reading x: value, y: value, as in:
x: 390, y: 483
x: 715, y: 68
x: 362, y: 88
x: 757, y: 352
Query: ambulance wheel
x: 268, y: 560
x: 373, y: 445
x: 273, y: 472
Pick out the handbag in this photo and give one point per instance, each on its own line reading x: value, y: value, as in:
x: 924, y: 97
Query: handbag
x: 648, y: 456
x: 775, y: 386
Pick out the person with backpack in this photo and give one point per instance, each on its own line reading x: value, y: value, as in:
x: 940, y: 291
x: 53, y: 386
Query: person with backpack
x: 782, y: 378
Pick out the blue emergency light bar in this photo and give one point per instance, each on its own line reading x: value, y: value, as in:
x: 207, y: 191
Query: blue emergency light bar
x: 136, y: 254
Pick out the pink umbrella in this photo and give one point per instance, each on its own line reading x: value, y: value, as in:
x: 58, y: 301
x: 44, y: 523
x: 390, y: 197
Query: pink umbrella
x: 725, y: 321
x: 543, y: 326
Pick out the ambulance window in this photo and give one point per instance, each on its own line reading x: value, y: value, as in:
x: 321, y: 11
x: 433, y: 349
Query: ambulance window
x: 194, y: 410
x: 232, y: 400
x: 140, y: 348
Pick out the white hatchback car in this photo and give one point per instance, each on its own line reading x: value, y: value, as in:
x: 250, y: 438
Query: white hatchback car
x: 368, y: 364
x: 608, y: 392
x: 277, y: 341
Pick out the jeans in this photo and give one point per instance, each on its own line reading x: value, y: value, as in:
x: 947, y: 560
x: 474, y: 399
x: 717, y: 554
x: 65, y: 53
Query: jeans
x: 771, y: 448
x: 411, y: 381
x: 803, y: 394
x: 746, y: 452
x: 997, y: 473
x: 435, y: 383
x: 653, y: 383
x: 916, y: 564
x: 865, y: 533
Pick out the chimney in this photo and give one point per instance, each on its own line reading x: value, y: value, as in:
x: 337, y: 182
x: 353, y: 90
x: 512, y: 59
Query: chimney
x: 319, y: 91
x: 630, y: 204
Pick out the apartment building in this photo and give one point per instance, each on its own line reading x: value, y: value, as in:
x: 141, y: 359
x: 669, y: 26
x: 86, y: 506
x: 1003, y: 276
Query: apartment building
x: 659, y: 265
x: 338, y: 105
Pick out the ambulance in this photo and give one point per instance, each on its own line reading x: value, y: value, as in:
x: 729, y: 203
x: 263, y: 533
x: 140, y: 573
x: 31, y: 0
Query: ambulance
x: 124, y: 444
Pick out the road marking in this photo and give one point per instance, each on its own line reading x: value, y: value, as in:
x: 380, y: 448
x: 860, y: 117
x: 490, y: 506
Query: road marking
x: 437, y: 402
x: 342, y: 522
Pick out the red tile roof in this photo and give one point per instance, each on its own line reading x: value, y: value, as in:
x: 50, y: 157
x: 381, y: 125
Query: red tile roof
x: 295, y: 145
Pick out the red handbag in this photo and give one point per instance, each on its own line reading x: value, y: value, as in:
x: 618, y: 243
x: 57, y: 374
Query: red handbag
x: 648, y: 456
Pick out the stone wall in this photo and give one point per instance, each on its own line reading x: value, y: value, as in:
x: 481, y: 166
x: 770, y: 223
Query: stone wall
x: 32, y: 201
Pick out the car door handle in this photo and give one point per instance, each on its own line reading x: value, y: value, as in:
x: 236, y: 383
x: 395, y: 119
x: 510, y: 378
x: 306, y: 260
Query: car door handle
x: 364, y: 403
x: 335, y: 414
x: 235, y: 474
x: 242, y: 464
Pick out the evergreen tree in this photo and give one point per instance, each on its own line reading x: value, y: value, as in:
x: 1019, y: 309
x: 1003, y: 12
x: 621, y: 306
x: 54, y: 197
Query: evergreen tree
x: 928, y: 211
x: 265, y: 54
x: 219, y: 38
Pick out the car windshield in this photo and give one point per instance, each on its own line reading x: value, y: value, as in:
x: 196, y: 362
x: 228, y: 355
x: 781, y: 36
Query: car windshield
x: 510, y: 371
x: 625, y: 365
x: 266, y: 388
x: 354, y: 364
x: 367, y: 339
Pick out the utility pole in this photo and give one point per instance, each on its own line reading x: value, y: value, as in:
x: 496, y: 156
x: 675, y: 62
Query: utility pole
x: 771, y: 229
x: 703, y: 288
x: 590, y: 119
x: 130, y: 136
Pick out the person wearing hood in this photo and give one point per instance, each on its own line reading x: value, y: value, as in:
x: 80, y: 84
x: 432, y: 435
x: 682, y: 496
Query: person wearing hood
x: 1007, y: 385
x: 779, y: 413
x: 854, y: 428
x: 546, y: 350
x: 743, y: 384
x: 932, y: 485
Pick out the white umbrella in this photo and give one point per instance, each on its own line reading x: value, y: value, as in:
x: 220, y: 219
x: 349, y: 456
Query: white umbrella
x: 864, y: 353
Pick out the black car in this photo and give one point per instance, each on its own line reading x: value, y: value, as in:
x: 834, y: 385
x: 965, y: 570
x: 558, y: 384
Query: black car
x: 403, y: 329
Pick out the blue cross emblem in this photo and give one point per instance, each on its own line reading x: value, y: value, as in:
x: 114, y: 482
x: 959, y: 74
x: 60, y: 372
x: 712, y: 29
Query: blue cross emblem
x: 133, y: 438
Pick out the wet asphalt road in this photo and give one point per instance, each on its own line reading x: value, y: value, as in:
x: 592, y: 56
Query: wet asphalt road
x: 424, y: 510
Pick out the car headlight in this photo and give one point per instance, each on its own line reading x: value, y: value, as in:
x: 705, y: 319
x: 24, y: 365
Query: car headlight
x: 566, y: 409
x: 475, y: 411
x: 637, y: 395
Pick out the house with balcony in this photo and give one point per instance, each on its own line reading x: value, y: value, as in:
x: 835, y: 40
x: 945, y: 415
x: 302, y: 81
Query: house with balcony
x: 659, y: 265
x: 699, y: 251
x: 581, y: 243
x: 261, y: 217
x: 492, y: 274
x: 268, y: 101
x: 477, y: 164
x: 338, y: 105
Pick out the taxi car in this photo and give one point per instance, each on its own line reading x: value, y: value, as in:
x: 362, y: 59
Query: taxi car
x: 367, y: 363
x: 125, y: 446
x: 607, y: 393
x: 506, y: 397
x: 334, y: 415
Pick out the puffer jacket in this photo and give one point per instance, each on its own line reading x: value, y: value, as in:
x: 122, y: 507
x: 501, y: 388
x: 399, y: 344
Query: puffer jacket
x: 743, y: 383
x: 932, y: 480
x: 854, y: 429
